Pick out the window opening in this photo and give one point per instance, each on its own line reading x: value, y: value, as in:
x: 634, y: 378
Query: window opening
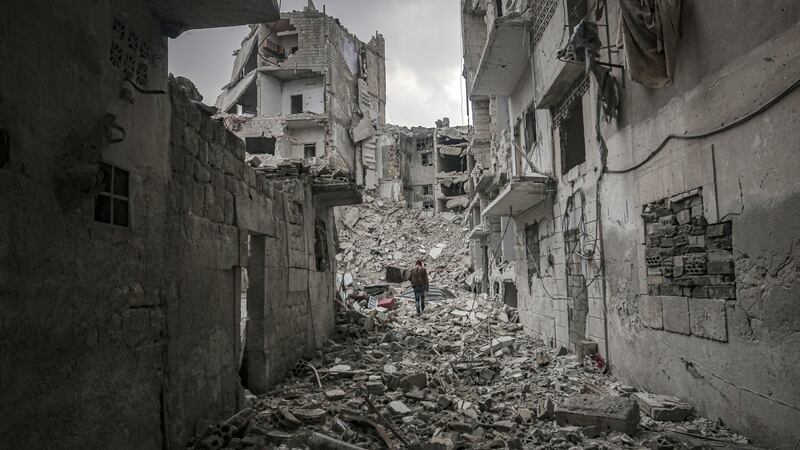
x: 426, y: 159
x: 510, y: 294
x: 297, y: 104
x: 530, y: 130
x: 310, y: 150
x: 533, y: 250
x: 112, y: 204
x: 573, y: 151
x: 260, y: 145
x: 499, y: 6
x: 426, y: 189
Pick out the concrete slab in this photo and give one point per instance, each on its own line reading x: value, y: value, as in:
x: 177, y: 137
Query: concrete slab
x: 607, y: 413
x: 651, y: 313
x: 708, y: 318
x: 676, y: 314
x: 662, y: 407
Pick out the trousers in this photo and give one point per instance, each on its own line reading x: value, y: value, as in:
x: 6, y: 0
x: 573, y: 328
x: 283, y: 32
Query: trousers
x: 419, y: 298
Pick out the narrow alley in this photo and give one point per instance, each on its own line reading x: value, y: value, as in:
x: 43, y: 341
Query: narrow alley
x: 464, y: 374
x: 381, y: 224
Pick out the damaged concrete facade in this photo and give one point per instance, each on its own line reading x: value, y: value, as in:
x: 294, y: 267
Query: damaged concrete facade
x: 304, y: 88
x: 127, y: 223
x: 651, y: 215
x: 451, y: 166
x: 405, y: 165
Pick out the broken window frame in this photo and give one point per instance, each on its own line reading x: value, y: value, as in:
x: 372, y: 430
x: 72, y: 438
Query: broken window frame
x: 533, y: 249
x: 111, y: 192
x: 530, y: 130
x: 309, y: 147
x: 425, y: 159
x: 427, y: 189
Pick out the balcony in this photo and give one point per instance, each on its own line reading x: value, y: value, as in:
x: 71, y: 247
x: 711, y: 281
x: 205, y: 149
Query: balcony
x: 180, y: 15
x: 504, y: 58
x: 519, y: 195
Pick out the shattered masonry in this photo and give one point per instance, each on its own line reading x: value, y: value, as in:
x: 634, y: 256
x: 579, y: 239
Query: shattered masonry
x: 304, y: 88
x: 617, y: 210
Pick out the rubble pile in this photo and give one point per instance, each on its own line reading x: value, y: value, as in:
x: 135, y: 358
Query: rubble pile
x: 462, y: 375
x: 381, y: 233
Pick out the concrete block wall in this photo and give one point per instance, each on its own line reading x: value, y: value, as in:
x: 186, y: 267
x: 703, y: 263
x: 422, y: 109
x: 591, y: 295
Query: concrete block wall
x: 219, y: 206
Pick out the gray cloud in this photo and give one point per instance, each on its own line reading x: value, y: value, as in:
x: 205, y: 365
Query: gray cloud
x: 423, y: 54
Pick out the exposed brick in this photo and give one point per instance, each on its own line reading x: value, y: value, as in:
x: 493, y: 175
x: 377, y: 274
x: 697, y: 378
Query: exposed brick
x: 725, y: 292
x: 720, y: 267
x: 719, y: 229
x: 683, y: 217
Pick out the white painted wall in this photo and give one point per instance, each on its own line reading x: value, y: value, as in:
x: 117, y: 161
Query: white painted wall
x: 313, y: 93
x: 270, y: 91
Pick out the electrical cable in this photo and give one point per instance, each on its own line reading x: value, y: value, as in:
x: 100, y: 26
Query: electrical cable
x: 711, y: 132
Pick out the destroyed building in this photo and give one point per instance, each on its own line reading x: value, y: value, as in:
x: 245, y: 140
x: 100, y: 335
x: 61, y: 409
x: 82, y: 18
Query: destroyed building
x: 305, y: 88
x: 631, y: 187
x: 406, y: 165
x: 451, y: 166
x: 127, y: 222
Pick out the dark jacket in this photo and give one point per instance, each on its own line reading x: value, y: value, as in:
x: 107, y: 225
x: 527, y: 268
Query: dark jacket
x: 419, y: 276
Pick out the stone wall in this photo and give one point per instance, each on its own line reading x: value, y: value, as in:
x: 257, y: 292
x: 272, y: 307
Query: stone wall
x: 122, y: 336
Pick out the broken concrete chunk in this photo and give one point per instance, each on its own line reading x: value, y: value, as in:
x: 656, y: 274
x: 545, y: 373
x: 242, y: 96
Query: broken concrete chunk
x: 497, y: 344
x: 546, y: 409
x: 543, y: 358
x: 525, y: 415
x: 335, y: 394
x: 436, y: 251
x: 398, y: 408
x: 417, y: 380
x: 506, y: 426
x: 663, y: 407
x: 607, y: 413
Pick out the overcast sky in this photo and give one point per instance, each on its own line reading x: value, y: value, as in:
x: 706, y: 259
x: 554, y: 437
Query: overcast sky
x: 423, y: 54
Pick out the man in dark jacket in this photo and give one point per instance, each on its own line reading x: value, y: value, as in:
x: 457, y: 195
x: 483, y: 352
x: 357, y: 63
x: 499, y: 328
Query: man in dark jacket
x: 419, y: 280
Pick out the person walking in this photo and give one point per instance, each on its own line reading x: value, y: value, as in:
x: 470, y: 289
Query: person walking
x: 419, y: 281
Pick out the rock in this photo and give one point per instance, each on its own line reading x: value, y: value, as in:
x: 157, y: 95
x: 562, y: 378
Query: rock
x: 442, y: 441
x: 369, y: 323
x: 335, y: 394
x: 436, y: 251
x: 417, y: 380
x: 497, y: 344
x: 662, y: 407
x: 525, y: 416
x: 375, y: 387
x: 415, y: 394
x: 398, y: 408
x: 340, y: 368
x: 543, y: 358
x: 607, y: 413
x: 545, y: 409
x: 444, y: 402
x: 506, y: 426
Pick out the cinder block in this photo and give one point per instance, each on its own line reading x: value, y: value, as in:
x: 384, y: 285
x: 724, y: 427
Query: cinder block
x: 720, y: 267
x: 676, y: 314
x: 606, y: 413
x: 650, y: 312
x: 683, y: 217
x: 719, y: 229
x: 709, y: 319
